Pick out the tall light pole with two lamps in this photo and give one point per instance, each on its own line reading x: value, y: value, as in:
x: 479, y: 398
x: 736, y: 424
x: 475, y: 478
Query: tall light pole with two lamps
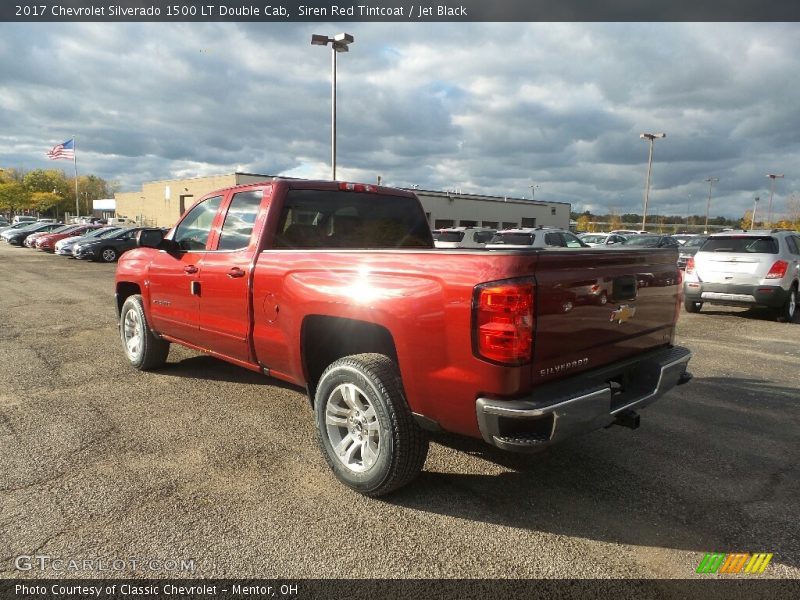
x: 772, y: 177
x: 710, y: 181
x: 651, y: 137
x: 533, y: 190
x: 339, y: 43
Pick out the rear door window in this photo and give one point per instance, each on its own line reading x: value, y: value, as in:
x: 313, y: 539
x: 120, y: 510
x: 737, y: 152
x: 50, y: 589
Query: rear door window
x: 742, y: 244
x: 450, y: 236
x: 238, y: 226
x: 555, y: 240
x: 514, y: 239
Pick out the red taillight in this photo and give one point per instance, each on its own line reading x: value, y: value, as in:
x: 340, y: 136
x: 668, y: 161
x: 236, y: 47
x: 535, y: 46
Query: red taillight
x: 357, y: 187
x: 690, y: 265
x: 503, y: 321
x: 778, y: 270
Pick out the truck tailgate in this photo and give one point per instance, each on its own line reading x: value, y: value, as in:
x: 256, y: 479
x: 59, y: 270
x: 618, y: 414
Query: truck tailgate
x: 596, y: 307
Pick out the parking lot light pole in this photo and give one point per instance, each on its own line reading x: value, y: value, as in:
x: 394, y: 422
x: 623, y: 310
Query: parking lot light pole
x: 650, y: 137
x: 533, y: 190
x: 339, y: 43
x: 771, y: 192
x: 753, y: 220
x: 710, y: 181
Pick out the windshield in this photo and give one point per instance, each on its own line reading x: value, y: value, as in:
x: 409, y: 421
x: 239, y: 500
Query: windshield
x: 513, y: 239
x: 695, y: 242
x: 593, y: 239
x: 94, y: 233
x: 750, y: 244
x: 646, y: 241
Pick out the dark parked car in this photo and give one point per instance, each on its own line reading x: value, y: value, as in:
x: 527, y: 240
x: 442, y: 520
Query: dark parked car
x: 651, y: 241
x: 107, y: 248
x: 690, y: 248
x: 16, y: 237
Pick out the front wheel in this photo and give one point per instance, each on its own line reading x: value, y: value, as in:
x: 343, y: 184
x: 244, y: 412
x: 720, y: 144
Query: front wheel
x: 364, y: 426
x: 144, y: 350
x: 787, y: 312
x: 691, y: 306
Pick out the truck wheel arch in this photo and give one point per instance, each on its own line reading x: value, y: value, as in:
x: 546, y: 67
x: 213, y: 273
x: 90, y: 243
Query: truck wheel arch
x: 325, y: 339
x: 125, y: 289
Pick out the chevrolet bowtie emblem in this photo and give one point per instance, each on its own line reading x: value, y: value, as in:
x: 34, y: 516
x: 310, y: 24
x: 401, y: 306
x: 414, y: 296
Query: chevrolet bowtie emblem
x: 623, y: 313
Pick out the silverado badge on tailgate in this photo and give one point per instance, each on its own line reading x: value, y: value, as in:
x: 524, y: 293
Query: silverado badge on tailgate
x: 623, y: 313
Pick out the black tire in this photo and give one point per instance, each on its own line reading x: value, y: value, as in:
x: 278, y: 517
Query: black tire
x: 392, y: 449
x: 146, y: 351
x: 788, y: 312
x: 692, y: 306
x: 108, y: 255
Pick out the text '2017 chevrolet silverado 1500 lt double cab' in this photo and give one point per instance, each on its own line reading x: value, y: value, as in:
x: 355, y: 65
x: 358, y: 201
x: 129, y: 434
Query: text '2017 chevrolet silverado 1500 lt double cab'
x: 337, y: 287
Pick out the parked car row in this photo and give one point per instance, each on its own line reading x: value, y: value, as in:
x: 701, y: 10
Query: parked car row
x: 90, y: 241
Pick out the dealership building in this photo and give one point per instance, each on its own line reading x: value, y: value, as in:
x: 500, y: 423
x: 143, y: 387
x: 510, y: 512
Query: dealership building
x: 161, y: 203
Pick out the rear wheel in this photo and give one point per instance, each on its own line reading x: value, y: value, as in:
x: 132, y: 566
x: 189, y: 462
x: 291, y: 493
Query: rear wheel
x: 365, y: 428
x: 692, y: 306
x: 787, y: 313
x: 144, y: 350
x: 108, y: 255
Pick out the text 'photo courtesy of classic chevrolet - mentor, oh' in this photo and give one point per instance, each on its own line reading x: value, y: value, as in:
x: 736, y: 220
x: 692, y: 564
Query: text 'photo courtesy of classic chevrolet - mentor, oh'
x: 337, y: 287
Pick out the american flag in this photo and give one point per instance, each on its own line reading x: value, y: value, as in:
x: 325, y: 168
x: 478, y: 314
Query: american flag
x: 63, y: 151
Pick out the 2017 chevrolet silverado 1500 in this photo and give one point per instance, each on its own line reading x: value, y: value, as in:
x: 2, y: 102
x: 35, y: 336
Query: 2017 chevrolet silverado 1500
x: 337, y: 287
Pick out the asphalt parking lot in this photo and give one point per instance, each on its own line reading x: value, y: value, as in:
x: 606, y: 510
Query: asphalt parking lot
x: 207, y: 462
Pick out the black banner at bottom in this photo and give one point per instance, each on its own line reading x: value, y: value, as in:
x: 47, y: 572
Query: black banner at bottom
x: 377, y: 589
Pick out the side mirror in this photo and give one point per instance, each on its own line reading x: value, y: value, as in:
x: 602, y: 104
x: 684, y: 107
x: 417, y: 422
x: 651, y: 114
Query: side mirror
x: 149, y: 238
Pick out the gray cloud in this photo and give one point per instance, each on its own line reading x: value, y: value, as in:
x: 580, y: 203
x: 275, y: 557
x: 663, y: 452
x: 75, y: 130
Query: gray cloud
x: 485, y: 107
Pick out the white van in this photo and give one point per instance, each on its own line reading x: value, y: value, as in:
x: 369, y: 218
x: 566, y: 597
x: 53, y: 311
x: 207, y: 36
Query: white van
x: 23, y: 219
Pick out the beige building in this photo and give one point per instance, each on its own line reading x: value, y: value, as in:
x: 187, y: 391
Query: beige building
x: 161, y: 203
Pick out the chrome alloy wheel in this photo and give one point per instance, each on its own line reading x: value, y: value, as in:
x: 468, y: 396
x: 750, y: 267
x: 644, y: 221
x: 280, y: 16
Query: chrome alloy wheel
x: 352, y: 427
x: 132, y: 334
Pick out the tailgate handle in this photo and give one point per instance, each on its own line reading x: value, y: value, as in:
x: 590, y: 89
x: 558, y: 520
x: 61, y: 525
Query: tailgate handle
x: 624, y: 288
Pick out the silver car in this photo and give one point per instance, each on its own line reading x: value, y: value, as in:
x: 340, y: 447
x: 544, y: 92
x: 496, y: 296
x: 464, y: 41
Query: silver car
x: 746, y: 268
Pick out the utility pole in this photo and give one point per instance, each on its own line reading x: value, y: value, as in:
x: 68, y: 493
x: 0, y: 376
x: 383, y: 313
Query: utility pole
x: 771, y: 192
x: 650, y: 137
x: 710, y: 181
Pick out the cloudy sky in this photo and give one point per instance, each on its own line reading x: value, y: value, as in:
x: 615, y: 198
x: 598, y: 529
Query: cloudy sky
x: 480, y: 107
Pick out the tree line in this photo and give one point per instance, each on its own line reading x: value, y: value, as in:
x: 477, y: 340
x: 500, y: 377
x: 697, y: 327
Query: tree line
x: 788, y: 218
x: 49, y: 192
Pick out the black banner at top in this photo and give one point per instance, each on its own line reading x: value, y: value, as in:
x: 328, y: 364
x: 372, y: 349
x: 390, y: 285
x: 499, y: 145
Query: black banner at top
x: 397, y: 11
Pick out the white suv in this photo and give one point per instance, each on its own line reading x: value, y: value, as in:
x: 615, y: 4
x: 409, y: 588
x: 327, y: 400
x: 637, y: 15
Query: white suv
x: 462, y: 237
x: 746, y: 268
x: 538, y: 237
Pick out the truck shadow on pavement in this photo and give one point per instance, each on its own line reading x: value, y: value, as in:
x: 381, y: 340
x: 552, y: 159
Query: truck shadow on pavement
x: 712, y: 468
x: 214, y: 369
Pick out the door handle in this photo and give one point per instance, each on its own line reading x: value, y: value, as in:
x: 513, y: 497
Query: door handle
x: 190, y: 269
x: 235, y: 272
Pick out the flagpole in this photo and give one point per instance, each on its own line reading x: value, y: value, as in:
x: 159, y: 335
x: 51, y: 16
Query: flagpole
x: 75, y: 162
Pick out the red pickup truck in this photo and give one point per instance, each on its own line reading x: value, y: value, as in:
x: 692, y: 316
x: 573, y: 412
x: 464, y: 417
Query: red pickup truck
x: 337, y: 287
